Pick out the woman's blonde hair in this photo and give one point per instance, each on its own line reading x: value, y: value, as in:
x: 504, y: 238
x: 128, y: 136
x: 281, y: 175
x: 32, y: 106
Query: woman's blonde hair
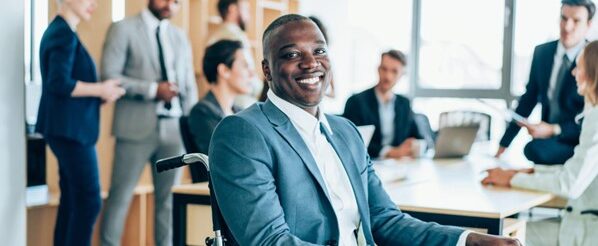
x: 590, y: 60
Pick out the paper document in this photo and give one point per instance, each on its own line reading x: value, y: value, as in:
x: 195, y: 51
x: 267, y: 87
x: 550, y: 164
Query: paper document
x: 509, y: 115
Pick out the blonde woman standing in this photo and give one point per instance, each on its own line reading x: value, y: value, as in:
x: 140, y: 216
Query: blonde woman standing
x: 69, y: 116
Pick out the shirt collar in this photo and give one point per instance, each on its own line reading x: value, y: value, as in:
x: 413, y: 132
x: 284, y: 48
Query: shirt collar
x: 151, y: 21
x: 571, y: 52
x: 73, y: 28
x: 232, y: 27
x: 391, y: 101
x: 299, y: 117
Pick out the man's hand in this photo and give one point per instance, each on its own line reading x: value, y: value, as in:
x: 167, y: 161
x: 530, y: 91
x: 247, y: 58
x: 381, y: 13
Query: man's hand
x: 166, y: 91
x: 499, y: 177
x: 500, y: 151
x: 475, y: 239
x: 403, y: 150
x: 541, y: 130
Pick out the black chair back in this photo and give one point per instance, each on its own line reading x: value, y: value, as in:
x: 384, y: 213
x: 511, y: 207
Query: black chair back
x: 197, y: 174
x: 467, y: 118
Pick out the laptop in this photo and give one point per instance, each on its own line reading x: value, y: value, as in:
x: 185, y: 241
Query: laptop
x: 455, y: 141
x: 366, y: 132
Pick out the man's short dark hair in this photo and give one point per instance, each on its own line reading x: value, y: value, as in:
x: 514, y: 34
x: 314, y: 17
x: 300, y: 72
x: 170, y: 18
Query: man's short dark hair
x: 588, y: 4
x: 221, y: 52
x: 321, y: 26
x: 280, y: 21
x: 223, y: 7
x: 397, y: 55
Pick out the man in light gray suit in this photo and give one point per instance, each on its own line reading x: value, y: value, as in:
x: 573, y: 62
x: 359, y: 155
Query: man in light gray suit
x: 152, y: 58
x: 284, y: 173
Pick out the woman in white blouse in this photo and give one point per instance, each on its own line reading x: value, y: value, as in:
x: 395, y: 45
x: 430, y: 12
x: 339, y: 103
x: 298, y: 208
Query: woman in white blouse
x: 577, y: 179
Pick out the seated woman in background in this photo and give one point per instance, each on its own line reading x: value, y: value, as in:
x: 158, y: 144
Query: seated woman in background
x: 576, y: 179
x: 229, y: 74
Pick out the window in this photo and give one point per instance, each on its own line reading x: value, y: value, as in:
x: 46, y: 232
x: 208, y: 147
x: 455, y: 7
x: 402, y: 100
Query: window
x: 532, y: 27
x: 374, y: 31
x: 36, y: 21
x: 459, y: 48
x: 359, y: 32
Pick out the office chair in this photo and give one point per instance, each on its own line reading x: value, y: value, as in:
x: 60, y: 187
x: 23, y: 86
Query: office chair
x: 425, y: 130
x: 467, y: 118
x: 198, y: 174
x: 222, y: 234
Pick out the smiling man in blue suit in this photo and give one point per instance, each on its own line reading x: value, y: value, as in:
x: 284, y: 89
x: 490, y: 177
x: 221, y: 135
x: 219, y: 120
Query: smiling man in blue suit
x: 286, y: 174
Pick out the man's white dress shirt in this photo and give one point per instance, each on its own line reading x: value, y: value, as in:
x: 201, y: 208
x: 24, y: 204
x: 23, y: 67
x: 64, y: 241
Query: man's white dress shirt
x: 332, y: 170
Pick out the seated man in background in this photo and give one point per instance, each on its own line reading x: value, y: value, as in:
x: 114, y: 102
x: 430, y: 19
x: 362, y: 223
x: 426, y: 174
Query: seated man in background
x: 227, y: 70
x: 285, y: 173
x: 390, y: 113
x: 552, y: 85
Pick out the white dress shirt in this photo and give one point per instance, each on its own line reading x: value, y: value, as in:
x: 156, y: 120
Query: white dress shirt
x: 386, y: 110
x: 152, y: 24
x: 332, y: 170
x: 329, y: 164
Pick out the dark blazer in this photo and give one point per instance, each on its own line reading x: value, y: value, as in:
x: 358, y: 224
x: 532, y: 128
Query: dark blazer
x: 536, y: 92
x: 271, y: 192
x: 203, y: 119
x: 63, y: 61
x: 362, y: 109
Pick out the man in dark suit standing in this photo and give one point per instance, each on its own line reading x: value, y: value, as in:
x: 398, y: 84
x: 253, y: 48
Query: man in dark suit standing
x: 553, y: 86
x: 390, y: 113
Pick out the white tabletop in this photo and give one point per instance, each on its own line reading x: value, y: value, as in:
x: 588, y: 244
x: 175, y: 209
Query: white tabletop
x: 453, y: 187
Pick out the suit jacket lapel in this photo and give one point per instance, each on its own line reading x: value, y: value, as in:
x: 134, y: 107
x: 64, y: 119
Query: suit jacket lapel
x: 153, y: 53
x: 373, y: 107
x: 213, y: 104
x: 285, y: 128
x: 546, y: 69
x: 339, y: 143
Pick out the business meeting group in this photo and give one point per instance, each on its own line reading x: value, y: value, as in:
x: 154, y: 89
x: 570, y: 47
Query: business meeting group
x: 284, y: 170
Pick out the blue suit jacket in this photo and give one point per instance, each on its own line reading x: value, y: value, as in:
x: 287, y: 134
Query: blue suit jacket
x: 536, y: 92
x: 270, y: 191
x: 63, y: 61
x: 362, y: 109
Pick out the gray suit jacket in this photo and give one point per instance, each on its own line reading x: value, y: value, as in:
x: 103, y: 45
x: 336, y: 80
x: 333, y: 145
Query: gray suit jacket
x: 270, y: 191
x: 127, y: 56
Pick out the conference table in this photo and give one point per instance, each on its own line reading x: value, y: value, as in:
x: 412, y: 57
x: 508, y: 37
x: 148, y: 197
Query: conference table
x: 447, y: 191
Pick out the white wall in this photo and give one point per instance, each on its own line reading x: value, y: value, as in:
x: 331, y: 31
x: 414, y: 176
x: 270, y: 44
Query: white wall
x: 12, y: 126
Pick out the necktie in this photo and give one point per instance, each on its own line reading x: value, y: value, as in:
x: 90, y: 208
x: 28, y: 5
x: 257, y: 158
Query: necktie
x: 163, y: 74
x: 555, y: 109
